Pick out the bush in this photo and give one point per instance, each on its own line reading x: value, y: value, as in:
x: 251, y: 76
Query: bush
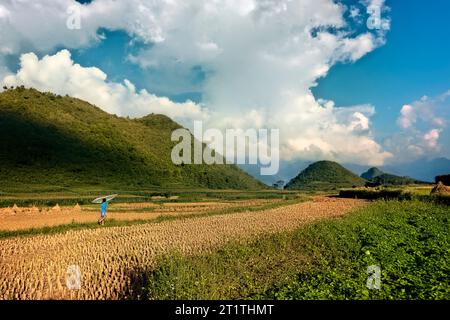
x: 372, y: 194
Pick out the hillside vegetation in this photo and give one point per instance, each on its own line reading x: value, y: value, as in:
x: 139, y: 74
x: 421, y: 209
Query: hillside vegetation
x: 49, y: 140
x: 372, y: 173
x: 377, y: 176
x: 325, y: 175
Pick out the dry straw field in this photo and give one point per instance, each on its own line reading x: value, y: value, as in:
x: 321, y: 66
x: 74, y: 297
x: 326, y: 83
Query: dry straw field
x: 113, y: 260
x: 15, y: 218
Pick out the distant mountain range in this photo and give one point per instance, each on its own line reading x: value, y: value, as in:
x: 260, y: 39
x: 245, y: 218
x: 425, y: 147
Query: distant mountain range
x: 378, y: 177
x: 422, y: 169
x: 329, y: 175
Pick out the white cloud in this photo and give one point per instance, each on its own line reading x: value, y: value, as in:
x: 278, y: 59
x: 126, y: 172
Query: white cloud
x: 323, y: 131
x: 426, y: 111
x: 4, y: 13
x: 423, y: 123
x: 407, y: 117
x: 355, y: 48
x: 354, y: 12
x: 261, y: 59
x: 376, y: 20
x: 432, y: 137
x: 29, y: 25
x: 59, y: 74
x: 40, y: 26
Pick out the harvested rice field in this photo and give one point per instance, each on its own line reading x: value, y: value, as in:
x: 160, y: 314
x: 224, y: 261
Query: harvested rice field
x: 111, y: 261
x: 16, y: 218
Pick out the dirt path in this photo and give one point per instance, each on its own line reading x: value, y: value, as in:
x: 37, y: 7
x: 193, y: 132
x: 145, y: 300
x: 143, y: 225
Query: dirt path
x: 111, y: 260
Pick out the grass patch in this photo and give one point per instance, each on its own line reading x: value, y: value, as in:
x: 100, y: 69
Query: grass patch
x: 408, y: 240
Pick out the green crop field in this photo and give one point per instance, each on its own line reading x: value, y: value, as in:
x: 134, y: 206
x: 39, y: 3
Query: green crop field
x: 83, y: 196
x: 408, y: 240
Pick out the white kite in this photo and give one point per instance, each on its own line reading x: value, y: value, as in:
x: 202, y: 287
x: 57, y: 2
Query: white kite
x: 108, y: 198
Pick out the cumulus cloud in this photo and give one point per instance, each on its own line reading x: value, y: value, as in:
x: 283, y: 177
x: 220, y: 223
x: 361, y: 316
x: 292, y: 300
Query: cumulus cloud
x: 407, y: 117
x: 42, y: 25
x: 424, y: 111
x: 432, y: 137
x: 323, y: 131
x: 376, y: 20
x: 422, y: 125
x: 59, y: 74
x: 355, y: 48
x: 254, y: 50
x: 260, y: 59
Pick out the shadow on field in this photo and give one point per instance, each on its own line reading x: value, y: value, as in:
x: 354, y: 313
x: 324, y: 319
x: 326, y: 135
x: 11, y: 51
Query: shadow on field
x: 136, y: 288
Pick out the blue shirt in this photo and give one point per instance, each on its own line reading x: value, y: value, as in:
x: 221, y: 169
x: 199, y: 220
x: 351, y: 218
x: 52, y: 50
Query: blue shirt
x: 103, y: 207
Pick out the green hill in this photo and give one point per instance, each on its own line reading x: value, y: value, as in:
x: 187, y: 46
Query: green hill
x: 325, y: 175
x: 376, y: 176
x: 49, y: 140
x: 390, y: 179
x: 372, y: 173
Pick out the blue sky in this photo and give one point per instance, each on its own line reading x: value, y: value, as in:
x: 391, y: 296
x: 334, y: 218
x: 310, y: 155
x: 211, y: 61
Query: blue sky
x: 111, y: 55
x: 249, y: 63
x: 414, y: 62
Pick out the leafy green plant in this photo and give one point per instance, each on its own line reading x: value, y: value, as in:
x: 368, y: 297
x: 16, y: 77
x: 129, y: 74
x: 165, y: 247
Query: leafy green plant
x: 408, y: 240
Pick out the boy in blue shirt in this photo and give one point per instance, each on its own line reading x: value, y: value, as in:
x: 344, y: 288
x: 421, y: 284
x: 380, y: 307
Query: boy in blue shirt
x: 103, y: 208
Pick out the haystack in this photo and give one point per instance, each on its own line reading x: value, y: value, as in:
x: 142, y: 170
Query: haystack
x: 56, y: 208
x: 441, y: 189
x: 15, y: 208
x: 77, y: 208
